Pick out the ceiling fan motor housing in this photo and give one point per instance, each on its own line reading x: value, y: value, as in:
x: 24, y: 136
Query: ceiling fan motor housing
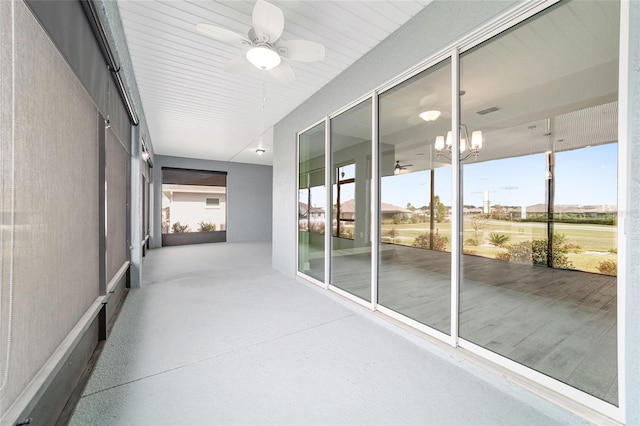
x: 264, y: 38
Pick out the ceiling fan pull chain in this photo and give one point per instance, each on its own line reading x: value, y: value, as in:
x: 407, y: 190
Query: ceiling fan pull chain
x: 264, y: 93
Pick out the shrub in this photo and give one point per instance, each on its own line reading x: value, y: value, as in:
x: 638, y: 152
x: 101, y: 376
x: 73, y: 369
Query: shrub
x: 423, y: 241
x: 177, y: 228
x: 346, y: 233
x: 535, y: 252
x: 206, y: 226
x: 399, y: 218
x: 573, y: 248
x: 518, y: 252
x: 498, y: 240
x: 503, y: 255
x: 392, y: 232
x: 472, y: 242
x: 317, y: 227
x: 608, y: 267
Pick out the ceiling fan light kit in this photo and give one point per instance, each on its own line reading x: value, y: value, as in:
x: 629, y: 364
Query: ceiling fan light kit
x: 265, y: 50
x: 263, y: 58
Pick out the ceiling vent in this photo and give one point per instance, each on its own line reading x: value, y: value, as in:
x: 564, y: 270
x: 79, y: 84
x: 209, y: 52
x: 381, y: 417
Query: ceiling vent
x: 488, y: 110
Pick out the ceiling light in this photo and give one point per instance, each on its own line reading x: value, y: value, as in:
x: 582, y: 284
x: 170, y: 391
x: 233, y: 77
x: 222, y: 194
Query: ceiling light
x: 432, y: 115
x: 263, y: 57
x: 260, y: 151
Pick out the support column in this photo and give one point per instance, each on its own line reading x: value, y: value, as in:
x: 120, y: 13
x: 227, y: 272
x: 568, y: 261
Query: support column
x: 135, y: 242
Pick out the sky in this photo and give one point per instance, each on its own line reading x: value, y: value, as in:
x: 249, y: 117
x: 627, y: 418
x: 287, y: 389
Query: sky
x: 585, y: 177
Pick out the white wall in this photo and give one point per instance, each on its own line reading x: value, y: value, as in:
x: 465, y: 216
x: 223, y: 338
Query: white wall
x: 189, y: 208
x: 436, y: 26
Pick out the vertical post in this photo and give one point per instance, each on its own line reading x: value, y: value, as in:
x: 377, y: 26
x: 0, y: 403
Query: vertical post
x: 432, y: 200
x: 456, y: 195
x: 328, y: 215
x: 103, y: 125
x: 102, y: 206
x: 375, y: 200
x: 550, y: 206
x: 135, y: 211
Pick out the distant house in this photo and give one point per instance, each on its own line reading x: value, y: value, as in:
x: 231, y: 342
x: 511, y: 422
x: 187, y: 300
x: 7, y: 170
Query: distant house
x: 388, y: 211
x: 193, y: 204
x: 584, y: 210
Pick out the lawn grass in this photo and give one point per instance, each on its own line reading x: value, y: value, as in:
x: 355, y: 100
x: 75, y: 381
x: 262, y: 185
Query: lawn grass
x: 592, y: 243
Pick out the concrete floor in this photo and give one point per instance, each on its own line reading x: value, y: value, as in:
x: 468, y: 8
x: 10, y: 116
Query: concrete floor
x: 215, y: 336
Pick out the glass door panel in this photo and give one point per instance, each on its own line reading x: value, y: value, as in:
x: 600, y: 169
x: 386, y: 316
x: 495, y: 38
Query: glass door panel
x: 415, y: 192
x: 540, y: 198
x: 351, y: 194
x: 312, y: 200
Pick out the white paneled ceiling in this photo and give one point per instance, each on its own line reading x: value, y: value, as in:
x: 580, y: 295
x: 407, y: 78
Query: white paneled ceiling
x: 195, y: 109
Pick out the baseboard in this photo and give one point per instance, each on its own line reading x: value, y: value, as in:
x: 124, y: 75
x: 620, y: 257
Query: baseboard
x: 45, y: 397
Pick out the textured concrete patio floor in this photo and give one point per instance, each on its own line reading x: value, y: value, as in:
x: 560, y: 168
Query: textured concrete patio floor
x: 216, y: 336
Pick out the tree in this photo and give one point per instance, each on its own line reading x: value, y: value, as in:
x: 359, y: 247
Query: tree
x: 440, y: 209
x: 410, y: 207
x: 478, y: 222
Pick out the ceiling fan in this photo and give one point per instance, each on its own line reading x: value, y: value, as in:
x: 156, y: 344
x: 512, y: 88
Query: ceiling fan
x: 263, y: 47
x: 399, y: 167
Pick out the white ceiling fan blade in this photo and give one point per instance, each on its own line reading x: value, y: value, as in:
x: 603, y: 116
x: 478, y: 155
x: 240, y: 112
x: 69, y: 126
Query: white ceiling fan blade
x: 301, y: 50
x: 237, y: 64
x: 283, y: 73
x: 268, y: 21
x: 224, y: 35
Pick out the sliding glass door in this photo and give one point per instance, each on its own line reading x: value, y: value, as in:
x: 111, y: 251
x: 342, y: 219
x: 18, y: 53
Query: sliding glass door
x: 504, y: 243
x: 539, y: 284
x: 351, y: 171
x: 414, y: 276
x: 312, y: 201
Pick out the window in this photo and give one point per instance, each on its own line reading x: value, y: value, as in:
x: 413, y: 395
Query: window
x: 211, y: 203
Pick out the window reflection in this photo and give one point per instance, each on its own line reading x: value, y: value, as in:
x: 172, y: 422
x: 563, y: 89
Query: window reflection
x: 311, y: 202
x: 539, y: 233
x: 351, y: 195
x: 414, y: 277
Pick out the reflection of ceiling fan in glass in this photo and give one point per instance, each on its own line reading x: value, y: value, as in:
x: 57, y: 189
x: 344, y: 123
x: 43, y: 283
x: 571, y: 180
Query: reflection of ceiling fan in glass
x: 399, y: 167
x: 263, y: 47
